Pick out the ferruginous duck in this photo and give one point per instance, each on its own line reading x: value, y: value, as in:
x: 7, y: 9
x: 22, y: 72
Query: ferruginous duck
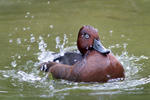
x: 97, y: 64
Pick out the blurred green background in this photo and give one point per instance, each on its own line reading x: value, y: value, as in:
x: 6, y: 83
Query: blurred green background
x: 120, y: 23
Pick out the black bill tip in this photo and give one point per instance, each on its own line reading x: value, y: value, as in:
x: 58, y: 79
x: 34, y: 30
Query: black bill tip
x: 99, y: 47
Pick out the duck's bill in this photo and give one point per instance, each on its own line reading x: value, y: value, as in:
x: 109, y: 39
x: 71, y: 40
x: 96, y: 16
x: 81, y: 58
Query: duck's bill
x: 99, y: 47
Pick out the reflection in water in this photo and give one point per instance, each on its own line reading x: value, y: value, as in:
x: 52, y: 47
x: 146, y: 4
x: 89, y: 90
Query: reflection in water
x: 30, y: 73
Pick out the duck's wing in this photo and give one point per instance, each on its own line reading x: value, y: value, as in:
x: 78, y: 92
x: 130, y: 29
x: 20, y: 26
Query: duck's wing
x: 69, y: 58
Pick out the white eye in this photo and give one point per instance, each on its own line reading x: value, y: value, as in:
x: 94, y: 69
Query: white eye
x: 86, y: 36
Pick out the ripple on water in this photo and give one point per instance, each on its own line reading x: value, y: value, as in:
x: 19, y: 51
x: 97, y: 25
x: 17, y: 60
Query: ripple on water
x: 30, y: 73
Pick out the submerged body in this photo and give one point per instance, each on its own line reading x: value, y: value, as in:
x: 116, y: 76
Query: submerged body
x: 96, y: 64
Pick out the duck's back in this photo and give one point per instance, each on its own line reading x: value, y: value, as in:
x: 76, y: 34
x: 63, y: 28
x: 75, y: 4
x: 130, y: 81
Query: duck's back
x: 69, y: 58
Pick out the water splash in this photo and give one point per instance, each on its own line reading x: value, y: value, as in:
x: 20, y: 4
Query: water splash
x: 42, y: 44
x: 29, y: 72
x: 44, y: 55
x: 23, y: 76
x: 13, y: 63
x: 32, y: 39
x: 130, y: 62
x: 131, y: 66
x: 61, y: 46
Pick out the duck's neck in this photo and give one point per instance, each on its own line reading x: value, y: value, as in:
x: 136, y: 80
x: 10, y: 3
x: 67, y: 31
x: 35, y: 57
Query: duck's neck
x: 87, y: 53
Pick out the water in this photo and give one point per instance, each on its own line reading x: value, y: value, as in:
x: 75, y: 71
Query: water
x: 34, y: 31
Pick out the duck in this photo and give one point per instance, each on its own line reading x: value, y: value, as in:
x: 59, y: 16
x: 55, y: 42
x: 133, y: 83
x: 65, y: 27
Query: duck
x: 95, y: 63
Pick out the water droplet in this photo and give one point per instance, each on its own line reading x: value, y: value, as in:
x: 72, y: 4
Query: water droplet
x: 40, y: 37
x: 122, y: 35
x: 111, y: 31
x: 13, y: 64
x: 25, y: 16
x: 48, y: 2
x: 32, y: 16
x: 51, y: 87
x: 117, y: 45
x: 32, y: 39
x: 48, y: 35
x: 10, y: 34
x: 16, y: 28
x: 28, y: 48
x: 57, y: 41
x: 28, y: 28
x: 28, y: 13
x: 10, y: 41
x: 25, y: 40
x: 19, y: 57
x: 42, y: 44
x: 18, y: 41
x: 24, y: 28
x: 6, y: 76
x: 51, y: 26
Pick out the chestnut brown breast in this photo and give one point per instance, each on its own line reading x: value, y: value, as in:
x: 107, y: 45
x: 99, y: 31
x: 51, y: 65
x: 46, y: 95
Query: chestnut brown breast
x: 98, y: 68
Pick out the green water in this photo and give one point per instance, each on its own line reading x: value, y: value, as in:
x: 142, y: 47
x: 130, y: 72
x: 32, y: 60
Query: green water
x: 31, y: 29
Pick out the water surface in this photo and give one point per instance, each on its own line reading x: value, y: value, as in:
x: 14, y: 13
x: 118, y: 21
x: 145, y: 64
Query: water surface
x: 31, y: 31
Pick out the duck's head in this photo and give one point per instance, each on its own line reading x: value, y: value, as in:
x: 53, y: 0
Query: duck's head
x: 88, y: 39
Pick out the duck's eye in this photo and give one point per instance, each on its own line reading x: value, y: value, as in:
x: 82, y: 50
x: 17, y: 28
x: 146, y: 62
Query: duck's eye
x: 86, y: 36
